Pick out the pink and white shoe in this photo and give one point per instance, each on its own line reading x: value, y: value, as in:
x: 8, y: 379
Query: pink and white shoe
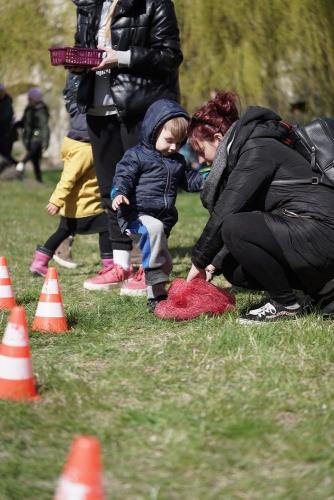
x: 110, y: 277
x: 135, y: 285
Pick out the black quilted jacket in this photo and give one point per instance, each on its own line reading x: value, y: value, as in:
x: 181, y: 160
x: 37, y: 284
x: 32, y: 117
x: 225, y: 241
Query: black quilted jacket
x: 149, y: 29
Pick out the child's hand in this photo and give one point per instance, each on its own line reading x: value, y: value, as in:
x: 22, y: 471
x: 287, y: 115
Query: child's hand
x: 119, y: 200
x: 52, y: 209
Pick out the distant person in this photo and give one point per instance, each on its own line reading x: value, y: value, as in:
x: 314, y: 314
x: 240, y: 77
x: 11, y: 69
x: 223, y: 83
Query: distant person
x: 190, y: 156
x: 7, y: 131
x: 145, y: 188
x: 36, y: 133
x: 76, y: 197
x: 298, y: 113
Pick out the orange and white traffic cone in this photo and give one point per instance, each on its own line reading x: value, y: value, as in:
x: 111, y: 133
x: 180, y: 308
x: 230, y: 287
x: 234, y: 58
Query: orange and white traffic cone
x: 7, y: 299
x: 82, y: 474
x: 50, y: 316
x: 16, y: 377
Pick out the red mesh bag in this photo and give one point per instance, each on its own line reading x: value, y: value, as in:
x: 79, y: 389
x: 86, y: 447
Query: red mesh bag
x: 189, y: 299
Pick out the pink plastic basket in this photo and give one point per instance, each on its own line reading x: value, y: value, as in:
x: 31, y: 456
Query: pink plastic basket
x: 75, y: 56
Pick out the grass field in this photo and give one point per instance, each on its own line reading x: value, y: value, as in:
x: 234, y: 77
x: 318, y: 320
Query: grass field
x: 206, y: 409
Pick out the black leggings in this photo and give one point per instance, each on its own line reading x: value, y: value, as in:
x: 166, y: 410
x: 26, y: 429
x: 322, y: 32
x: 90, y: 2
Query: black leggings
x: 110, y: 138
x: 61, y: 234
x: 34, y: 154
x: 255, y: 260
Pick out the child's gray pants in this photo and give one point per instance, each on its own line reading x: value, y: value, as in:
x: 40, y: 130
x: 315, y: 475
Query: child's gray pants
x: 156, y: 260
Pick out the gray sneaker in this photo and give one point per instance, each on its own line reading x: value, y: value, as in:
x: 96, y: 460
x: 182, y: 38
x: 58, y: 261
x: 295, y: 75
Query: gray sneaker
x: 63, y: 254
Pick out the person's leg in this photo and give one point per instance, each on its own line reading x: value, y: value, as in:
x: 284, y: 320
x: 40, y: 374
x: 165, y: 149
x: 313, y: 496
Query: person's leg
x: 156, y: 259
x: 56, y: 238
x: 262, y: 263
x: 237, y: 275
x: 44, y: 253
x: 36, y: 156
x: 106, y: 250
x: 109, y: 141
x: 252, y: 244
x: 6, y: 152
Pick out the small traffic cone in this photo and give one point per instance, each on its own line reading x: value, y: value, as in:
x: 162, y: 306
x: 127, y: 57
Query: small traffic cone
x: 82, y: 475
x: 50, y: 315
x: 16, y: 378
x: 7, y: 299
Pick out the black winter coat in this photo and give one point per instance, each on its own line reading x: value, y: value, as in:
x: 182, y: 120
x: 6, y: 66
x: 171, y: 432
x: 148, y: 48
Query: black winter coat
x: 257, y: 157
x: 6, y: 115
x: 149, y: 29
x: 35, y: 124
x: 150, y: 180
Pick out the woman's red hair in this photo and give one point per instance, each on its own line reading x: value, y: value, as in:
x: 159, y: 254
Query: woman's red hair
x: 215, y: 116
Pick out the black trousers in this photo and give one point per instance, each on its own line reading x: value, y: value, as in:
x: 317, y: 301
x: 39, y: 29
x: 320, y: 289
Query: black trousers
x: 110, y: 138
x: 255, y: 260
x: 61, y: 234
x: 34, y: 154
x: 6, y: 146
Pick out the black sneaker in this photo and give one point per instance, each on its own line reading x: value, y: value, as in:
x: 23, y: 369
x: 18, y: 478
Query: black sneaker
x: 152, y: 303
x: 270, y: 312
x: 323, y: 301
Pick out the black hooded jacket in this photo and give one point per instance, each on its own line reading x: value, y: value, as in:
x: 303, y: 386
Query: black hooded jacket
x: 257, y: 156
x: 148, y: 28
x: 149, y: 179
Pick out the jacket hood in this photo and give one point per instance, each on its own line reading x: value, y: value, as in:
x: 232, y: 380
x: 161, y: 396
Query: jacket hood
x: 157, y: 114
x: 256, y: 122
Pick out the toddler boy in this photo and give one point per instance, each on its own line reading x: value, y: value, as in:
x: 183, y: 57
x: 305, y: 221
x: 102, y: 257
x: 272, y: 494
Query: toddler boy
x: 145, y: 187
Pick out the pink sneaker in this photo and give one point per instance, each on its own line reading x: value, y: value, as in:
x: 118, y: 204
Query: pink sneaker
x: 107, y: 278
x: 135, y: 285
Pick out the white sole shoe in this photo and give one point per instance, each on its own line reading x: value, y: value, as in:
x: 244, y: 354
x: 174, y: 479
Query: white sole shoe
x: 133, y: 293
x: 64, y: 263
x: 105, y: 287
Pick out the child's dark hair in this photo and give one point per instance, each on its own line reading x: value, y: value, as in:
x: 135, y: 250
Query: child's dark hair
x: 178, y: 126
x: 215, y: 116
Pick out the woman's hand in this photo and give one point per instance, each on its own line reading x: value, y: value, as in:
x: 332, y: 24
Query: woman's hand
x: 209, y: 271
x: 119, y: 200
x: 52, y: 209
x: 110, y: 60
x: 195, y: 273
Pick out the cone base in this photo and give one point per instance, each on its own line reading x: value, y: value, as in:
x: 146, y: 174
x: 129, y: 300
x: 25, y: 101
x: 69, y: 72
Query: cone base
x: 7, y: 303
x: 50, y: 325
x: 18, y: 390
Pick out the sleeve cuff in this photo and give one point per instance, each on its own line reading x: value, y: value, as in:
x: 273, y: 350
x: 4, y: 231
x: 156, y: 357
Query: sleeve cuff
x: 124, y: 57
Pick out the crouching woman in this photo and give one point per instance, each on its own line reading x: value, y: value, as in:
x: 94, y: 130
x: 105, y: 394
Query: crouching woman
x: 263, y: 233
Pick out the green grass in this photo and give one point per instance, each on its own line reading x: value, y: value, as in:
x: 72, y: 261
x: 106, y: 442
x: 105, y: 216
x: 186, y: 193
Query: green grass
x: 206, y: 409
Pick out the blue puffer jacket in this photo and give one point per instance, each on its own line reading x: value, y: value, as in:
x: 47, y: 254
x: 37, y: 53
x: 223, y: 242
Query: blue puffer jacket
x: 147, y: 178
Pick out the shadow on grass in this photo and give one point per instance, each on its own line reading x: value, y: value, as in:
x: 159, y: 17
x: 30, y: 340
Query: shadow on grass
x: 27, y: 298
x: 72, y: 319
x: 181, y: 252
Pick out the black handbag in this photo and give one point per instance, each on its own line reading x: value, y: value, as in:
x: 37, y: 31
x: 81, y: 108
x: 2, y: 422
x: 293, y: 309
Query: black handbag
x: 315, y: 142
